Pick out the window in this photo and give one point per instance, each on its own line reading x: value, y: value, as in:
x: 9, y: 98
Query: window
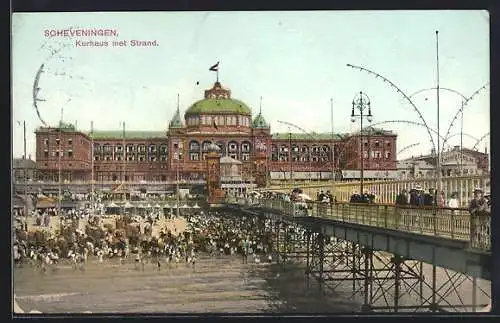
x: 233, y: 146
x: 70, y: 153
x: 163, y: 158
x: 130, y: 158
x: 206, y: 144
x: 365, y: 154
x: 194, y: 156
x: 152, y: 149
x: 70, y: 165
x: 388, y: 143
x: 70, y: 141
x: 58, y: 141
x: 108, y: 158
x: 96, y: 157
x: 46, y: 153
x: 152, y: 158
x: 142, y: 158
x: 387, y: 155
x: 194, y: 145
x: 130, y: 148
x: 234, y: 156
x: 118, y: 148
x: 118, y: 157
x: 377, y: 143
x: 46, y: 142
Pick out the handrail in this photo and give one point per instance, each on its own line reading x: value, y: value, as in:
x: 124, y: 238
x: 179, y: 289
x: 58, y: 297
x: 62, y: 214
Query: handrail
x: 449, y: 223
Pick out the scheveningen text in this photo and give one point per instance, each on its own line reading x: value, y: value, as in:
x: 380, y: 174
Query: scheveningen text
x: 71, y: 32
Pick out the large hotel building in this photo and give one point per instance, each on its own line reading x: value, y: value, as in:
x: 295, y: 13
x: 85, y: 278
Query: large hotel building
x: 179, y: 152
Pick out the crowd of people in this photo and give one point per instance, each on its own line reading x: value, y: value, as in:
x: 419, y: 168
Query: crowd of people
x: 208, y: 232
x: 479, y: 204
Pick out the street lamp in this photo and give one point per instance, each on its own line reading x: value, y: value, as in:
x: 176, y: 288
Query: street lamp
x: 361, y: 102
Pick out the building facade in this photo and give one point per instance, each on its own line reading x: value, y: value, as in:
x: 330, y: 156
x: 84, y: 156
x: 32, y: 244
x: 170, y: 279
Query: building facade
x: 454, y: 162
x: 180, y: 152
x: 23, y: 168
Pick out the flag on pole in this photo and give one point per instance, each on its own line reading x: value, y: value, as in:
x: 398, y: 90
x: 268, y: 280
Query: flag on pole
x: 215, y: 67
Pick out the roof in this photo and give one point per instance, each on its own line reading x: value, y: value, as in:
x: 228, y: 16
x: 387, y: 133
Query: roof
x: 176, y: 121
x: 372, y: 131
x: 304, y: 136
x: 260, y: 122
x: 23, y: 163
x: 131, y: 134
x: 61, y: 127
x: 121, y: 188
x: 219, y: 106
x: 229, y: 160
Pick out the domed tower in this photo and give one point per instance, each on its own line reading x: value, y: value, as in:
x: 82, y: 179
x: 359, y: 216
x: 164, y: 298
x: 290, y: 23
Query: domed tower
x: 218, y: 113
x: 262, y: 139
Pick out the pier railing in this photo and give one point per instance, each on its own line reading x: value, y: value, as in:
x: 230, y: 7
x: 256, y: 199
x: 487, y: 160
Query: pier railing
x: 450, y: 223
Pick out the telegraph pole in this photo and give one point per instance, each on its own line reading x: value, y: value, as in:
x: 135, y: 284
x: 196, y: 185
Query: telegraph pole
x: 333, y: 142
x: 92, y: 165
x: 25, y: 181
x: 438, y: 152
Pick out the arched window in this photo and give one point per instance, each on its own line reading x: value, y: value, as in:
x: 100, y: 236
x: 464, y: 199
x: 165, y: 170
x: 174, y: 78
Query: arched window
x: 246, y: 146
x: 163, y: 149
x: 194, y: 145
x: 222, y: 147
x: 141, y: 149
x: 206, y: 144
x: 233, y: 146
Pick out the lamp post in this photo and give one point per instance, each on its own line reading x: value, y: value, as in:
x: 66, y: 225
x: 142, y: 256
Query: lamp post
x: 361, y: 102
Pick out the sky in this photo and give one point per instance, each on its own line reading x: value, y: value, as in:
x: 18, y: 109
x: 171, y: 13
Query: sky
x: 296, y: 61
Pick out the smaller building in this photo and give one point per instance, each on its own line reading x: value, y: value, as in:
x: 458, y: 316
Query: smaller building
x: 454, y: 162
x: 232, y: 180
x: 24, y: 168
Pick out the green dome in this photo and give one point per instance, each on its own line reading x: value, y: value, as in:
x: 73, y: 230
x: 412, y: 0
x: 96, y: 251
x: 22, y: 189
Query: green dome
x: 222, y: 106
x: 260, y: 122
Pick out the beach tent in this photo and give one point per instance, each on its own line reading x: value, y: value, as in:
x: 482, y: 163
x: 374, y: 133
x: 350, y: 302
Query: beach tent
x: 112, y: 205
